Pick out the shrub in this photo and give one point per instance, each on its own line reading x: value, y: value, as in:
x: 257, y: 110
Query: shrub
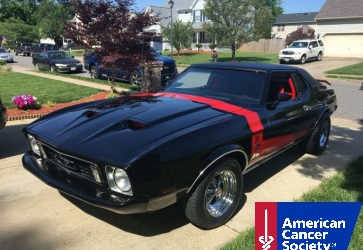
x: 212, y: 46
x: 198, y: 45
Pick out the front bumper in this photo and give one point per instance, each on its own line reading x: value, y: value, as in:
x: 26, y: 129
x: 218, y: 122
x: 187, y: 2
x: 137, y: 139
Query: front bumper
x: 92, y: 193
x: 289, y: 58
x: 68, y: 69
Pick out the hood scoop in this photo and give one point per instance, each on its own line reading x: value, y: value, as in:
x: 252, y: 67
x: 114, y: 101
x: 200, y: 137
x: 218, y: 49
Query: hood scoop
x: 91, y: 113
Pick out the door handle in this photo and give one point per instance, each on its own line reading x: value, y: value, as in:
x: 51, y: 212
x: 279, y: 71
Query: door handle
x: 306, y: 107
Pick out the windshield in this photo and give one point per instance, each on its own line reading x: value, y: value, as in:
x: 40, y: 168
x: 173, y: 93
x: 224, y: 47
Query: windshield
x: 230, y: 85
x: 59, y: 55
x: 299, y: 45
x: 2, y: 50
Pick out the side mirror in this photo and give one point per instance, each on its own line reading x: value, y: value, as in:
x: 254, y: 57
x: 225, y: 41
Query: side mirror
x: 310, y: 46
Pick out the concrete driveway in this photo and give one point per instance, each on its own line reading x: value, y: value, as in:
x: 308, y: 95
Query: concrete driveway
x: 34, y: 216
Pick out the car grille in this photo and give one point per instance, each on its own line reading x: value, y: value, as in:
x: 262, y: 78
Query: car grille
x: 287, y: 52
x: 72, y: 164
x: 168, y: 68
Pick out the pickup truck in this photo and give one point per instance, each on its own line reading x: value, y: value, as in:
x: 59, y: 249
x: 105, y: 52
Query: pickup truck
x: 42, y: 47
x: 23, y: 49
x: 91, y: 63
x: 302, y: 51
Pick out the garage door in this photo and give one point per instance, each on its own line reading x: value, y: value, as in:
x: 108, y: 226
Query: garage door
x: 343, y: 45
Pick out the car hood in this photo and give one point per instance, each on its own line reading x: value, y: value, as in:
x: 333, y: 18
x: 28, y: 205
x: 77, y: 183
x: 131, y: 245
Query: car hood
x: 5, y: 54
x: 66, y: 61
x: 122, y: 126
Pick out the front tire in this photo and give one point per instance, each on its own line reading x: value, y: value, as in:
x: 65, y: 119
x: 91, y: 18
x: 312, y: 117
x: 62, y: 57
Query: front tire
x: 52, y: 68
x: 216, y: 198
x: 36, y: 66
x: 135, y: 78
x: 318, y: 140
x: 303, y: 59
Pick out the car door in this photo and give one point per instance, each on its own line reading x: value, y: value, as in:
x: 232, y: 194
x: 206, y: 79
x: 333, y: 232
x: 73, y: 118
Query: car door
x: 289, y: 117
x: 43, y: 61
x: 314, y: 48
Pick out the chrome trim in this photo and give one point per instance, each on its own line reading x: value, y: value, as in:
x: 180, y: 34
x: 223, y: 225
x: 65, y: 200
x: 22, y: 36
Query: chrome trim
x: 227, y: 153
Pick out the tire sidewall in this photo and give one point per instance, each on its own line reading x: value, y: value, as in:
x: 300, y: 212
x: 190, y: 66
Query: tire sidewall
x: 200, y: 215
x: 313, y: 146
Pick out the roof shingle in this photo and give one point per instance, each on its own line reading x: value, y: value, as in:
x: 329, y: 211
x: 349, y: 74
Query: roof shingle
x: 341, y: 9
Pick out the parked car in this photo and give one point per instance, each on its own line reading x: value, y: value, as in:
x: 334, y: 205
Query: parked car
x: 39, y: 47
x: 57, y: 61
x: 190, y: 143
x: 92, y: 64
x: 303, y: 50
x: 23, y: 49
x: 5, y: 55
x: 72, y: 46
x: 3, y: 114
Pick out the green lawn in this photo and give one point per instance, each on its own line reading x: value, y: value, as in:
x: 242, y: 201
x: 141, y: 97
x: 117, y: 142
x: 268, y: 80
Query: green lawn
x: 45, y: 90
x: 347, y: 185
x: 354, y: 72
x: 187, y: 58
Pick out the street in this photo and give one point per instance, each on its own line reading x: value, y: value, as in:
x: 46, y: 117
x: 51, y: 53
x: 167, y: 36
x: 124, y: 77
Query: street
x: 35, y: 216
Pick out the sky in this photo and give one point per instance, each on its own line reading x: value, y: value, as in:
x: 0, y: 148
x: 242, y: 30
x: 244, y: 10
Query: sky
x: 290, y: 6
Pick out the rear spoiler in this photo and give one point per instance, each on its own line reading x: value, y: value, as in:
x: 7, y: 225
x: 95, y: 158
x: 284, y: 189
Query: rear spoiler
x: 322, y: 80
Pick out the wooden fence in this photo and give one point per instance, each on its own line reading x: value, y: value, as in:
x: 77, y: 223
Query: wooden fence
x: 264, y: 45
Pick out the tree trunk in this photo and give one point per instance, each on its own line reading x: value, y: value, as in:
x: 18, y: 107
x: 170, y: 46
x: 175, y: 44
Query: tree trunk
x: 151, y: 77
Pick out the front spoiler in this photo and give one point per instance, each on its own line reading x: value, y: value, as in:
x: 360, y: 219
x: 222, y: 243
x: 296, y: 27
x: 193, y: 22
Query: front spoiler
x: 93, y: 194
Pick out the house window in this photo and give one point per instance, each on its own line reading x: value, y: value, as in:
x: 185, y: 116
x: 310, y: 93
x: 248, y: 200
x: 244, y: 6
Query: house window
x: 281, y: 27
x: 204, y: 38
x: 198, y: 16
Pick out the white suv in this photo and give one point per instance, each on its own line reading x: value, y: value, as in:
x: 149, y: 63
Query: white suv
x: 302, y: 50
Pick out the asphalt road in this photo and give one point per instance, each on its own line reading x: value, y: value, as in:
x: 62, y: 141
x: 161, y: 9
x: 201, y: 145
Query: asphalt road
x: 34, y: 216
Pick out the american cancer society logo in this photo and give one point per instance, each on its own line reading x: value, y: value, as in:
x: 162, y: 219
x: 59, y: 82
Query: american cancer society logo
x: 304, y: 225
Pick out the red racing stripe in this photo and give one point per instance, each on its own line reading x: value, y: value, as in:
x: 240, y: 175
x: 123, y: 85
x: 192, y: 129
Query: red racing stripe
x: 252, y: 118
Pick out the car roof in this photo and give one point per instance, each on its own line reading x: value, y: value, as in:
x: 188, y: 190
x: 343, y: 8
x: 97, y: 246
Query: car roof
x: 247, y: 66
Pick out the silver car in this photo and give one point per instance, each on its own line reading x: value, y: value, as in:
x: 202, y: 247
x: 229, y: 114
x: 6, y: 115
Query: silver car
x: 5, y: 55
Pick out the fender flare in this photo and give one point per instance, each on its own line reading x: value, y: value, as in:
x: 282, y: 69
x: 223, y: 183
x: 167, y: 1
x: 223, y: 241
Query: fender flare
x: 232, y: 149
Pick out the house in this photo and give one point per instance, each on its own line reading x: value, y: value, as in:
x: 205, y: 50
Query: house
x: 340, y: 25
x: 288, y: 23
x: 187, y: 11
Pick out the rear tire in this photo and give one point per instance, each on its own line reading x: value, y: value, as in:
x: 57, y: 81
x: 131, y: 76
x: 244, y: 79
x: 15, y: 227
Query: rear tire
x: 94, y: 73
x: 320, y: 56
x: 216, y: 198
x: 318, y: 140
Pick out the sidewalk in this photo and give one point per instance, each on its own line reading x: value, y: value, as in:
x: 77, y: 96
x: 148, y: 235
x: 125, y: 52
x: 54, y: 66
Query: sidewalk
x: 65, y: 79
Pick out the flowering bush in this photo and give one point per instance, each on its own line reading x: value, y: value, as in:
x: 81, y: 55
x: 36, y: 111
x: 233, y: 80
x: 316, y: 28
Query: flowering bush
x: 25, y: 101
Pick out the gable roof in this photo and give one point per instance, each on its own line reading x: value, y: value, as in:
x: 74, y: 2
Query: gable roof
x: 333, y: 9
x: 296, y: 18
x: 164, y: 10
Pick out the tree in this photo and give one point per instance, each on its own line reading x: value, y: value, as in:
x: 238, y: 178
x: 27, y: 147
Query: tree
x: 182, y: 34
x: 21, y: 10
x: 114, y: 33
x: 18, y: 31
x: 51, y: 18
x: 231, y: 22
x: 265, y: 15
x: 300, y: 34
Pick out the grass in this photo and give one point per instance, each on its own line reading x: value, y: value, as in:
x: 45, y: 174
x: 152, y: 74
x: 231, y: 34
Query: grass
x: 45, y: 90
x: 355, y: 69
x: 188, y: 58
x: 103, y: 81
x: 347, y: 185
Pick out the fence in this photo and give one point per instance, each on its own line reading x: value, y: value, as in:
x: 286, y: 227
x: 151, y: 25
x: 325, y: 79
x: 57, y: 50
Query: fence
x: 264, y: 45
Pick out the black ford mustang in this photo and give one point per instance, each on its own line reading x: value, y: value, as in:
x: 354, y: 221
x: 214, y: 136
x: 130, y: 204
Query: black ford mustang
x: 191, y: 143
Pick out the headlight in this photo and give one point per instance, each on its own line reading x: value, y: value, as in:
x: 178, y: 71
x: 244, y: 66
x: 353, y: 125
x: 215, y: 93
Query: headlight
x: 34, y: 145
x: 79, y: 64
x: 118, y: 180
x: 60, y: 65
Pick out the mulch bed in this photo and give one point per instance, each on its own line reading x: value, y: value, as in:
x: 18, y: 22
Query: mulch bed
x: 19, y: 114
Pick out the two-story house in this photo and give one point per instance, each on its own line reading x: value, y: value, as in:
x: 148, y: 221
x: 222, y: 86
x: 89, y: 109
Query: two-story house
x: 288, y: 23
x: 186, y: 11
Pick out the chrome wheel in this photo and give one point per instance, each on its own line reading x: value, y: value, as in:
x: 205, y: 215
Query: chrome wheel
x: 135, y: 78
x: 36, y: 66
x: 52, y: 68
x: 215, y: 199
x: 324, y: 134
x: 221, y: 193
